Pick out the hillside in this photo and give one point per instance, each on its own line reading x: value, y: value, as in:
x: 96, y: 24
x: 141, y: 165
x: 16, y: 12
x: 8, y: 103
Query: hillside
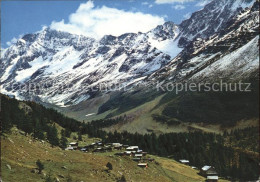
x: 171, y: 112
x: 21, y: 152
x: 41, y: 124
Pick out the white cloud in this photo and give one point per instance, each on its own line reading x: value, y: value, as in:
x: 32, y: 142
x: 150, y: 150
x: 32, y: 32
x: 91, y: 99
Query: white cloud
x: 96, y: 22
x: 171, y: 1
x: 179, y: 7
x: 145, y: 3
x: 150, y: 6
x: 11, y: 42
x: 203, y: 3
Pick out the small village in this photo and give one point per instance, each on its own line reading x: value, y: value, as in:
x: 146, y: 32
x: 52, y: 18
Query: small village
x: 138, y: 155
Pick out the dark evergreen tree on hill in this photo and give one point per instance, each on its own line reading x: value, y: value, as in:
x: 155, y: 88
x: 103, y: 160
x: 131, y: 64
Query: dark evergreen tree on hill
x: 38, y: 130
x: 40, y: 166
x: 6, y: 124
x: 67, y: 132
x: 109, y: 166
x: 52, y: 135
x: 79, y: 136
x: 63, y: 140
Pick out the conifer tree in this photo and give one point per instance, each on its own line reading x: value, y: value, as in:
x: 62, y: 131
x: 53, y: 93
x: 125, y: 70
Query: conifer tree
x: 52, y: 135
x: 63, y: 140
x: 40, y: 166
x: 79, y: 136
x: 38, y: 130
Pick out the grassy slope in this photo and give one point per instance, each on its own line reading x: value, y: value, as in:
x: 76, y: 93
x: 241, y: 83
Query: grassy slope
x: 142, y: 121
x: 80, y: 110
x: 21, y: 153
x: 144, y: 106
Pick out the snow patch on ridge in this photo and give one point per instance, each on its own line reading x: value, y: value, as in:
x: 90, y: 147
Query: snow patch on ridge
x: 26, y: 73
x: 169, y: 47
x: 241, y: 61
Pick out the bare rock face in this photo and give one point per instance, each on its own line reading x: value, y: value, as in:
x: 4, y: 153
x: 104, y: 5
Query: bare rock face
x: 213, y: 18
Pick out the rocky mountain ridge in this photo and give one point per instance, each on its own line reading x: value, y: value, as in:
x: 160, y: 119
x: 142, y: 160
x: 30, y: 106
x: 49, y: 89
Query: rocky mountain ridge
x: 64, y: 69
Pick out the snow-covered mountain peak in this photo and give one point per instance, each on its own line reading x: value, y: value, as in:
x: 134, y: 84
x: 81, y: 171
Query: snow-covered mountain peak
x: 231, y: 52
x: 166, y: 31
x: 76, y: 62
x: 211, y: 19
x: 51, y: 56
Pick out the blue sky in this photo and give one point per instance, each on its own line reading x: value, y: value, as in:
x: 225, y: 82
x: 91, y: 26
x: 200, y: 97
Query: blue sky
x: 91, y: 18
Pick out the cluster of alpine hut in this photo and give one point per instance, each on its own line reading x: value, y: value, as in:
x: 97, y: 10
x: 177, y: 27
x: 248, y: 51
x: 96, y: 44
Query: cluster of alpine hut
x: 208, y: 172
x: 137, y: 154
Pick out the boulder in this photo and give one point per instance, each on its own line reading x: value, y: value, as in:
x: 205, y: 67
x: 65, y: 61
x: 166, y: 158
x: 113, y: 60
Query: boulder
x: 9, y: 167
x: 34, y: 171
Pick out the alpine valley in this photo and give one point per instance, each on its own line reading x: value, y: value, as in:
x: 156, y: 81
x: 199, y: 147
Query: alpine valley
x: 177, y: 103
x: 218, y: 43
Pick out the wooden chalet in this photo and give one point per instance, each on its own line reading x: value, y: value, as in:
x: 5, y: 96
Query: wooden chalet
x: 99, y: 144
x: 118, y: 147
x: 144, y: 165
x: 139, y: 151
x: 116, y: 144
x: 128, y: 153
x: 184, y: 161
x: 212, y: 178
x: 133, y: 152
x: 132, y: 148
x: 138, y: 155
x: 208, y: 171
x: 69, y: 148
x: 74, y: 145
x: 84, y: 149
